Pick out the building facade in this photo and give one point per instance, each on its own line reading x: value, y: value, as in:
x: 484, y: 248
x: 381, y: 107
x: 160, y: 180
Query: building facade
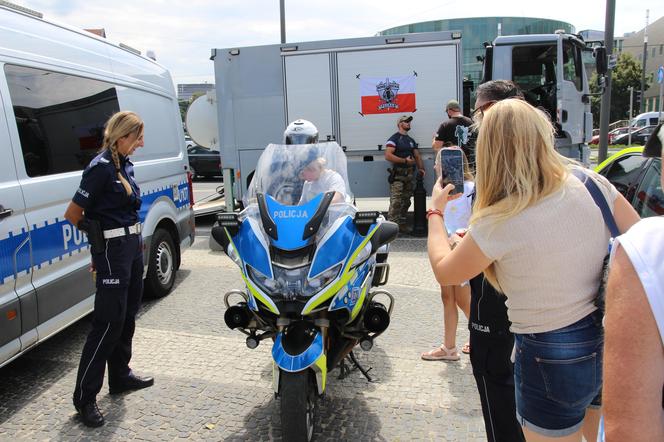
x: 654, y: 59
x: 476, y: 31
x: 187, y: 91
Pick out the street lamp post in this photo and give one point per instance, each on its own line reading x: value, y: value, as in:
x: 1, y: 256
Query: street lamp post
x: 282, y: 20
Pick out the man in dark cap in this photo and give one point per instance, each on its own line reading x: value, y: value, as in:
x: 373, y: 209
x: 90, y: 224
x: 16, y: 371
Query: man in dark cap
x: 454, y: 131
x: 401, y: 150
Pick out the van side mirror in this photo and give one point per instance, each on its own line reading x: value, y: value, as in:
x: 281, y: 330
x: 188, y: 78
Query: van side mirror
x: 386, y: 233
x: 601, y: 60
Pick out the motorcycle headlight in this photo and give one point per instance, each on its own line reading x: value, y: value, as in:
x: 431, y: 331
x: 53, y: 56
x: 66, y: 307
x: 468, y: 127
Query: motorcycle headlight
x: 364, y: 254
x: 233, y: 255
x: 320, y: 281
x: 267, y: 284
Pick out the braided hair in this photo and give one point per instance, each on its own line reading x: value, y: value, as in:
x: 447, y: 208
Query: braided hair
x: 120, y: 125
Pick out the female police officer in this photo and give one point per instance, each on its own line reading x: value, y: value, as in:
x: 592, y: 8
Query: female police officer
x: 106, y: 207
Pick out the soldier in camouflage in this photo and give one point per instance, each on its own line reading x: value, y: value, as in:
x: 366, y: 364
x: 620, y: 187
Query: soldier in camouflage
x: 401, y: 150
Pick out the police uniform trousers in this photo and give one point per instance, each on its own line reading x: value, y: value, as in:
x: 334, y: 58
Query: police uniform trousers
x: 401, y: 189
x: 119, y: 292
x: 491, y: 345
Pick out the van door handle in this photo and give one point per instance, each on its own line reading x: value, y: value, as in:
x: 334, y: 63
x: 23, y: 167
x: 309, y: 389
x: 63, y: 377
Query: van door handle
x: 4, y: 213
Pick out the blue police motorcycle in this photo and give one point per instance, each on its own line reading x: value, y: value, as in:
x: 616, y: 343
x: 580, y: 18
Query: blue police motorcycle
x: 309, y: 261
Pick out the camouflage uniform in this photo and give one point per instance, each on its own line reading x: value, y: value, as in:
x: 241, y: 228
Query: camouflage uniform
x: 401, y: 189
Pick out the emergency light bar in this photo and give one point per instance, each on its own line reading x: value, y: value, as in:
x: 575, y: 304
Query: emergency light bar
x: 366, y: 218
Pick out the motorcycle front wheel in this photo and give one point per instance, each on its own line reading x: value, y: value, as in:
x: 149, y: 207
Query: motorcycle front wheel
x: 298, y: 405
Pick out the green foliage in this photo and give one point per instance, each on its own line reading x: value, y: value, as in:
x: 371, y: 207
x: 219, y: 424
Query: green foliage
x: 184, y: 105
x: 626, y: 73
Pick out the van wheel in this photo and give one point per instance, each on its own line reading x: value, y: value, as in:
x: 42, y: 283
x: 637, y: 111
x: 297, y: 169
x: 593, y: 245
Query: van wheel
x: 161, y: 265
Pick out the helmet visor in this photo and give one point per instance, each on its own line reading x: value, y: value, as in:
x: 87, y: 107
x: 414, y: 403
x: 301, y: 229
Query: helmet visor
x: 300, y: 138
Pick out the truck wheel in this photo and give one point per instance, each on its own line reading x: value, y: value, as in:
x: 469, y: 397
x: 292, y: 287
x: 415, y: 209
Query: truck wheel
x: 298, y: 406
x: 161, y: 265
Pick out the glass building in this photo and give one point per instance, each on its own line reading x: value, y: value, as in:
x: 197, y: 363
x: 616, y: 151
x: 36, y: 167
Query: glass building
x: 475, y: 31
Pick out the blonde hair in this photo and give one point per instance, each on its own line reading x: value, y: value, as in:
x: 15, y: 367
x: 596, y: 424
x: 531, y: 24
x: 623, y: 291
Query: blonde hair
x: 516, y: 163
x: 119, y: 126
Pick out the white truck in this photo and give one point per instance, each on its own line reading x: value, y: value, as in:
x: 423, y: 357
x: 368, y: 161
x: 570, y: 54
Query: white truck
x: 550, y: 70
x: 353, y: 90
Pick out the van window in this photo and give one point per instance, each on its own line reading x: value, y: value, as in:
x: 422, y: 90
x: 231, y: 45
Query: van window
x: 60, y: 118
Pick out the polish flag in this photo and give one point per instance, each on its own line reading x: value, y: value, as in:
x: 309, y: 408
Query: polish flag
x: 386, y: 95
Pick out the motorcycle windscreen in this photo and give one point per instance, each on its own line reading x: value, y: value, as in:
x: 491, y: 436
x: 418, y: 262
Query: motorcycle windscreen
x: 295, y: 174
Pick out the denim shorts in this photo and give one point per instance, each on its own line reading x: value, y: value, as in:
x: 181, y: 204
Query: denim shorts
x: 557, y: 375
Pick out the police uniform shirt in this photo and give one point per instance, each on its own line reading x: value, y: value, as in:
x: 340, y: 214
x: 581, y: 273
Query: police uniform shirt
x: 102, y: 195
x: 403, y: 145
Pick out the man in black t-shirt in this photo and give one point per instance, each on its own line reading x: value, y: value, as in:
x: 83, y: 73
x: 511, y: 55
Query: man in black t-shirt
x: 401, y: 150
x: 454, y: 131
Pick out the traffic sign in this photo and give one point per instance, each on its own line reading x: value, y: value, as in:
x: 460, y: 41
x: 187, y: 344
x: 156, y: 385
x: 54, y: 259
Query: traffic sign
x: 660, y: 75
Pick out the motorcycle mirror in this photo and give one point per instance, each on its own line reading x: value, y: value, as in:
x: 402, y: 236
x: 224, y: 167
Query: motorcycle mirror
x: 364, y: 220
x: 228, y: 221
x: 219, y: 235
x: 386, y: 233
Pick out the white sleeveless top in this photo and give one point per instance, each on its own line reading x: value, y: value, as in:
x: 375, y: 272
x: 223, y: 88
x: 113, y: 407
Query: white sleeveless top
x: 457, y: 211
x: 644, y: 245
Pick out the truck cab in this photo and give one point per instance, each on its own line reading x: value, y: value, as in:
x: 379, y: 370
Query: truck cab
x: 550, y: 71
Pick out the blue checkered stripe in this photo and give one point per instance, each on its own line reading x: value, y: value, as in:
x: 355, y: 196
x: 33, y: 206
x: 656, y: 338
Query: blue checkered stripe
x: 57, y: 239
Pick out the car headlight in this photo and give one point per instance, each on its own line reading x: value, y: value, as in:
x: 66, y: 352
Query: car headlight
x: 364, y: 254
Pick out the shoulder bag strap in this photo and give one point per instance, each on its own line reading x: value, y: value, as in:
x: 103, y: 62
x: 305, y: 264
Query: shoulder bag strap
x: 599, y: 199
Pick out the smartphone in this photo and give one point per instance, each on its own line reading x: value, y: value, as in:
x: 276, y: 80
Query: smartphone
x: 451, y: 161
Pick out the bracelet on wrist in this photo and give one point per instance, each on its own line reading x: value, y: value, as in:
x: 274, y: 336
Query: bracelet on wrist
x: 434, y: 212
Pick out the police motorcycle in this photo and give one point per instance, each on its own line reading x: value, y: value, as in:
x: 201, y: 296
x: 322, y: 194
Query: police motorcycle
x: 309, y: 261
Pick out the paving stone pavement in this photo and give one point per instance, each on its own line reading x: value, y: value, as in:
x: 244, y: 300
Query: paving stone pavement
x: 210, y: 386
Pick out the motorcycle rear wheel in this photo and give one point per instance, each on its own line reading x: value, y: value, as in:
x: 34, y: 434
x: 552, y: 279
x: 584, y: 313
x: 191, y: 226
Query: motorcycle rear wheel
x: 298, y: 405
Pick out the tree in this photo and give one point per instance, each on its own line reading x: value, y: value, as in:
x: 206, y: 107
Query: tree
x: 626, y: 73
x: 184, y: 105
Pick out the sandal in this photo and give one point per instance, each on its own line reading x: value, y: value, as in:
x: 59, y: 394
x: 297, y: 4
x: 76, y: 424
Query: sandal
x: 466, y: 348
x: 441, y: 354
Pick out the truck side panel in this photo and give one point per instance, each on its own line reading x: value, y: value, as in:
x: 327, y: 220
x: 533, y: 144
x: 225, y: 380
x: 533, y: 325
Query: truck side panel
x: 308, y: 88
x: 434, y: 76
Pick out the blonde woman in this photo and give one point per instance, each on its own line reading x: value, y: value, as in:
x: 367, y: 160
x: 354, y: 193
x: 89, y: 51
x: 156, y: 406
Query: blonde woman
x: 106, y: 206
x: 538, y: 236
x: 457, y: 215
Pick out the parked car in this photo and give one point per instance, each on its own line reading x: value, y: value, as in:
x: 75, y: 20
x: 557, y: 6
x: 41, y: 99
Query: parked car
x: 617, y: 132
x: 637, y: 178
x: 639, y: 136
x: 204, y: 162
x: 595, y: 138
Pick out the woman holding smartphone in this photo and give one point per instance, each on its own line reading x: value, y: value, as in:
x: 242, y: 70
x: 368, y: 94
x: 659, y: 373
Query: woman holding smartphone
x: 540, y: 239
x: 452, y: 161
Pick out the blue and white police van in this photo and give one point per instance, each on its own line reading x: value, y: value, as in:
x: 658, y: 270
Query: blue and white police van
x: 58, y: 86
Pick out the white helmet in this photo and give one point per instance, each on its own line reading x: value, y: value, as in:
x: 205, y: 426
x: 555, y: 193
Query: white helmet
x: 301, y: 132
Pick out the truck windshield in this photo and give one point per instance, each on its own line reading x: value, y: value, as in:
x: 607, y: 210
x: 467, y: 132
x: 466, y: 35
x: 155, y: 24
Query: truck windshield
x: 534, y: 70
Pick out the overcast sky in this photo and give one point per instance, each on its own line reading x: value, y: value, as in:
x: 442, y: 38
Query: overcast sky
x: 182, y: 32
